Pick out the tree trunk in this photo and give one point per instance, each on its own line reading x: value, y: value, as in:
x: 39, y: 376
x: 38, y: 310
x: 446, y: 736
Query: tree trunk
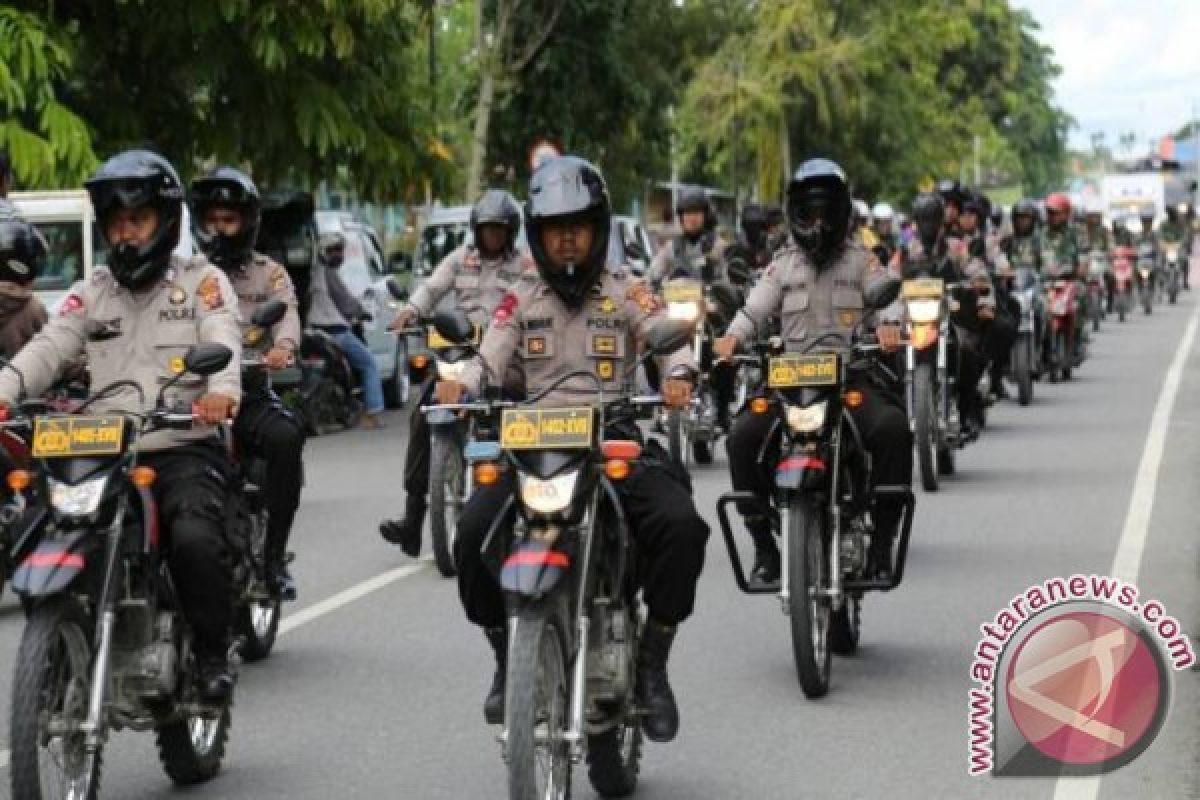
x: 785, y: 154
x: 479, y: 140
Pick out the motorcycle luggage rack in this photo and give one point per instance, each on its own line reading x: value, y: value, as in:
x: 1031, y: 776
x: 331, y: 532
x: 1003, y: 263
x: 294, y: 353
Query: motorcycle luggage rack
x: 909, y: 504
x: 735, y: 559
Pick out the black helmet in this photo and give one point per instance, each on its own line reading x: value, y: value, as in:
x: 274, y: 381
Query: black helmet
x: 568, y: 186
x: 929, y: 214
x: 139, y: 179
x: 819, y: 209
x: 951, y: 191
x: 226, y: 187
x: 497, y: 207
x: 693, y: 198
x: 22, y: 251
x: 754, y: 225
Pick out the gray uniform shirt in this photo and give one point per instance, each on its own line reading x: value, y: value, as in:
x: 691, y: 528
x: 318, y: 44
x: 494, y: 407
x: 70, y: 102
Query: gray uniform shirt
x: 141, y: 337
x: 478, y: 283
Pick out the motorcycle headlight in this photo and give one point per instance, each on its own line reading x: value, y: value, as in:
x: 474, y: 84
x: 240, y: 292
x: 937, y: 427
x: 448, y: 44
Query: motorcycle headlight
x: 451, y: 370
x: 807, y: 419
x: 924, y: 309
x: 78, y: 500
x: 548, y: 497
x: 688, y: 312
x: 1172, y: 253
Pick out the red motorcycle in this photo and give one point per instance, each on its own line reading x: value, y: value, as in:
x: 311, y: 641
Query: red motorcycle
x: 1062, y: 299
x: 1123, y: 272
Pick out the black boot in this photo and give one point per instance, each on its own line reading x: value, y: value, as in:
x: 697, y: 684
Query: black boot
x: 280, y: 581
x: 766, y: 552
x: 879, y: 554
x: 661, y: 716
x: 493, y: 704
x: 406, y: 532
x: 214, y: 678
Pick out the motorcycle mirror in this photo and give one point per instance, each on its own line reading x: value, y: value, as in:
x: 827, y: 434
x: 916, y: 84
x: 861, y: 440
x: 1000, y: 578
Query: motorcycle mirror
x: 207, y: 358
x: 668, y: 335
x: 634, y: 251
x: 727, y: 297
x: 454, y: 326
x: 398, y: 292
x: 266, y: 315
x: 882, y: 294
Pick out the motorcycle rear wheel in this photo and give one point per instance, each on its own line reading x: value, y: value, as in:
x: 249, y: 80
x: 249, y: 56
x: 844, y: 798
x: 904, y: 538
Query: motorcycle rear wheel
x: 926, y: 418
x: 257, y: 617
x: 808, y: 612
x: 1023, y: 371
x: 53, y: 678
x: 845, y: 625
x: 445, y: 499
x: 536, y: 706
x: 614, y: 759
x: 677, y: 438
x: 191, y: 749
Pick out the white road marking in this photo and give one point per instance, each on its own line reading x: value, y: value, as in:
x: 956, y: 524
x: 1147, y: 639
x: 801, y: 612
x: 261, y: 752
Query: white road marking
x: 321, y: 609
x: 1128, y: 560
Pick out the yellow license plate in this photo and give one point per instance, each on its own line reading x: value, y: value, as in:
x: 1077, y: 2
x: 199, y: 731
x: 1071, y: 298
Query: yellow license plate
x: 546, y: 429
x: 799, y: 371
x: 436, y: 341
x: 684, y: 292
x: 923, y: 287
x: 58, y: 437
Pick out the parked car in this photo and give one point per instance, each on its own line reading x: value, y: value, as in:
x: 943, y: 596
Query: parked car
x: 365, y: 274
x: 628, y: 243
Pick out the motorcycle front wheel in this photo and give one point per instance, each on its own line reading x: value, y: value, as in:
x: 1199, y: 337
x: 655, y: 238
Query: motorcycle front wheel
x: 1022, y: 369
x: 925, y: 417
x: 678, y: 441
x: 808, y: 610
x: 536, y: 707
x: 50, y: 693
x: 445, y: 498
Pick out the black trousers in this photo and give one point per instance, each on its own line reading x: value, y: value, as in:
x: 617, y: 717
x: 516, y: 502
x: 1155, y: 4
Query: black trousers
x: 192, y: 492
x: 669, y: 532
x: 882, y: 422
x: 264, y: 428
x: 416, y: 459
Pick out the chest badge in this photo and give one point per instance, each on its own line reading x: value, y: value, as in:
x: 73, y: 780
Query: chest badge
x: 605, y: 370
x: 178, y: 296
x: 607, y: 305
x: 847, y: 318
x: 177, y: 365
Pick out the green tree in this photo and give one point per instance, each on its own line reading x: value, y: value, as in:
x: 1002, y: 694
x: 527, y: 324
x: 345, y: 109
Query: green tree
x: 50, y: 144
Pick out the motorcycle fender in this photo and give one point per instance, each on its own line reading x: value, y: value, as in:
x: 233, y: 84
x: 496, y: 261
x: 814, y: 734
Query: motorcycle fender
x: 800, y: 472
x: 52, y: 566
x: 532, y: 569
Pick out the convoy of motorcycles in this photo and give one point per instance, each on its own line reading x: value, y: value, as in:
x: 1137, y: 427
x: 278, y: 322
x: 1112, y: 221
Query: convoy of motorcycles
x: 106, y: 648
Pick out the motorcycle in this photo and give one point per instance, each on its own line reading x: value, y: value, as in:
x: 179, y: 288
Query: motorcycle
x: 1147, y: 269
x: 1026, y: 360
x: 568, y: 577
x: 257, y: 609
x: 821, y: 506
x: 931, y: 373
x: 328, y: 396
x: 105, y: 646
x: 1097, y: 299
x: 1124, y: 277
x: 692, y: 432
x: 1062, y: 300
x: 1173, y: 266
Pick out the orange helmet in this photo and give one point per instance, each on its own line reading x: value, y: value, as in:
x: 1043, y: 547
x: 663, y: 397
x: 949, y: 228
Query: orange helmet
x: 1058, y: 202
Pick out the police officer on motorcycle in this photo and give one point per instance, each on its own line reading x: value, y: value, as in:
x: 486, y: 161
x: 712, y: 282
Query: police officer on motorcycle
x: 1093, y: 236
x: 750, y: 254
x: 1176, y: 230
x: 817, y: 285
x: 227, y: 211
x: 135, y: 319
x: 551, y: 324
x: 477, y: 276
x: 697, y: 251
x: 936, y: 254
x: 22, y: 257
x: 883, y: 221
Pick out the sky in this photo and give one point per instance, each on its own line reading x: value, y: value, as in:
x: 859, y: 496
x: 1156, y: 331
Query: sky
x: 1127, y: 66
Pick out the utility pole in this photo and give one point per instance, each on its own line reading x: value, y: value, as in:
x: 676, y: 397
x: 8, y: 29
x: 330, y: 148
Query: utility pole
x: 737, y: 72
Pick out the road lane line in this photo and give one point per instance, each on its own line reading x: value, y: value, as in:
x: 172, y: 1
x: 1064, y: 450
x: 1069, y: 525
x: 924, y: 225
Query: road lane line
x: 344, y: 598
x: 1128, y: 559
x: 323, y: 608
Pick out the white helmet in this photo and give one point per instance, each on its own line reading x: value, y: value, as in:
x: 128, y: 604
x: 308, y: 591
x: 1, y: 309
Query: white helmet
x: 1133, y: 225
x: 882, y: 212
x: 861, y: 210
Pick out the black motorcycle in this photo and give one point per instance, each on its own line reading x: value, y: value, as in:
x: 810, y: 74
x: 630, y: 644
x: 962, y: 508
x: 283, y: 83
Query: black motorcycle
x: 569, y: 581
x: 327, y: 396
x: 105, y: 645
x: 824, y: 493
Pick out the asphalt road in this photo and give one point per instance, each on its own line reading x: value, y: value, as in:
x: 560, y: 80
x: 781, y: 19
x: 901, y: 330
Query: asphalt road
x: 377, y: 693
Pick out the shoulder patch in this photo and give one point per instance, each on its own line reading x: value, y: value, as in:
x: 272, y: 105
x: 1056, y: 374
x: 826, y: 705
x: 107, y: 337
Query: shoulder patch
x: 279, y: 277
x: 646, y: 300
x: 505, y: 308
x: 71, y: 304
x: 209, y: 292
